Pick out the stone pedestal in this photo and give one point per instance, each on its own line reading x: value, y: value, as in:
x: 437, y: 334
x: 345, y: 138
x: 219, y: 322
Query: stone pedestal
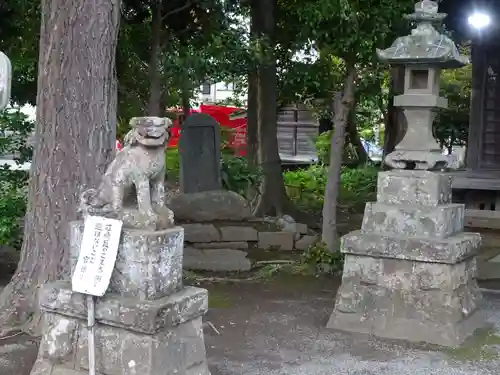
x: 410, y: 271
x: 147, y: 323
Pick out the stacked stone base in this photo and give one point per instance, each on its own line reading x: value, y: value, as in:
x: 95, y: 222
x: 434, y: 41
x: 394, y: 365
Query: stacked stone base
x: 163, y: 336
x: 410, y: 272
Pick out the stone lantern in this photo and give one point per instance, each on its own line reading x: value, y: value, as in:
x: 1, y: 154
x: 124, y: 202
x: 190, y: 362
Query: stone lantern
x: 423, y: 53
x: 410, y: 271
x: 5, y: 80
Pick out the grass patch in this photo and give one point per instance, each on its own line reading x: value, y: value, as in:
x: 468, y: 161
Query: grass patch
x: 218, y: 300
x: 478, y: 347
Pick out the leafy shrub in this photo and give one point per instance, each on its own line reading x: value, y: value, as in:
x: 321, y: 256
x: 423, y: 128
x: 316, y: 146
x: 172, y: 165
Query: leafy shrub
x: 13, y: 199
x: 306, y: 187
x: 323, y: 146
x: 358, y: 185
x: 324, y: 261
x: 238, y: 176
x: 172, y: 163
x: 15, y: 130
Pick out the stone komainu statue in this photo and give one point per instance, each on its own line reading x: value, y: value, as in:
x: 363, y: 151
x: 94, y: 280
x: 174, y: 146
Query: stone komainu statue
x: 133, y: 187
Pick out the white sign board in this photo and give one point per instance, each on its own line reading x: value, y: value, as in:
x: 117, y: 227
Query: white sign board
x: 5, y: 80
x: 97, y: 257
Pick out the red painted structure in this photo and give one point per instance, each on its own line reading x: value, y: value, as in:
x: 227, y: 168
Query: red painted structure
x: 237, y: 127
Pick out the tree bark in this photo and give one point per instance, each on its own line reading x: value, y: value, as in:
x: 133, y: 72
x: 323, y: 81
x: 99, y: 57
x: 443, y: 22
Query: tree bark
x: 252, y: 96
x: 355, y: 139
x: 74, y: 141
x: 273, y: 200
x: 154, y: 102
x: 186, y: 106
x: 342, y: 105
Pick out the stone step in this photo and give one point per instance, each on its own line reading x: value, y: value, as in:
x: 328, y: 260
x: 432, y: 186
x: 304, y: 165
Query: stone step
x: 217, y: 260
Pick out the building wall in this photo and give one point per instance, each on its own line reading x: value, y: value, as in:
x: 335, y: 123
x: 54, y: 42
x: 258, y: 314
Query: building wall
x: 216, y: 92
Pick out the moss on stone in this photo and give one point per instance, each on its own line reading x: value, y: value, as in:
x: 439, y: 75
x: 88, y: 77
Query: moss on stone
x: 479, y: 347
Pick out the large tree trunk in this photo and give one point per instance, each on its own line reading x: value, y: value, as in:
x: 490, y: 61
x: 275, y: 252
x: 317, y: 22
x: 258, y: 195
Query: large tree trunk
x: 74, y: 141
x: 153, y: 69
x: 342, y: 105
x: 273, y: 200
x: 252, y: 96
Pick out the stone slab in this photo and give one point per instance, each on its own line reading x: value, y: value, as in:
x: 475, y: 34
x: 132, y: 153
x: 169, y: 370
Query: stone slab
x: 411, y: 276
x: 414, y: 188
x: 148, y: 265
x: 119, y: 351
x: 221, y: 245
x: 147, y: 317
x: 306, y: 242
x: 238, y: 233
x: 302, y: 228
x: 210, y: 206
x: 277, y: 240
x: 413, y: 221
x: 449, y: 250
x: 222, y: 260
x: 448, y: 335
x: 201, y: 233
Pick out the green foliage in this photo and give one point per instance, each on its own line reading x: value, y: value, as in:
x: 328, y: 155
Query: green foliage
x: 172, y: 163
x: 13, y: 198
x: 306, y: 186
x: 200, y: 42
x: 452, y: 125
x: 19, y: 35
x: 14, y: 130
x: 239, y: 176
x: 323, y: 260
x: 323, y: 146
x: 358, y: 185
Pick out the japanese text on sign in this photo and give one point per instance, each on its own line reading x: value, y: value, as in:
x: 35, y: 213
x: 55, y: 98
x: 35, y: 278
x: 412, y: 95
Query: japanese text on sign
x: 98, y: 250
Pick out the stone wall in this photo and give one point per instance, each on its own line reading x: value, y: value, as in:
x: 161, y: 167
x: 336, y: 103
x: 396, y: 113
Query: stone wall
x: 225, y: 246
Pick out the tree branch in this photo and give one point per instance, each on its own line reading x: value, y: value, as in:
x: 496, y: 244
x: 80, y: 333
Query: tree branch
x: 180, y: 9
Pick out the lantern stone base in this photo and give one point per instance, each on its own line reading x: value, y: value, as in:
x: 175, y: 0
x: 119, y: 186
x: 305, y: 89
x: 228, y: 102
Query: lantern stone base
x: 164, y: 336
x: 410, y: 272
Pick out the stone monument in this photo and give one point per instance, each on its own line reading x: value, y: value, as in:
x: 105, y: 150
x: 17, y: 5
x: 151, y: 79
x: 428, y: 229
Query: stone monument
x: 199, y: 148
x: 410, y: 271
x: 148, y: 323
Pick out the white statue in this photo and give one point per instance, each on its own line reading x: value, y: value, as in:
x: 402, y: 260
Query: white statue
x: 5, y: 80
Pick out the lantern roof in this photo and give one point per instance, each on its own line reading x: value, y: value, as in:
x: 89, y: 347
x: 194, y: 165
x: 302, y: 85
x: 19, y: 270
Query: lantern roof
x: 425, y: 44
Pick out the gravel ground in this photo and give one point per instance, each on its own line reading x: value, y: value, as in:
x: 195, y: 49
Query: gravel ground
x: 277, y: 328
x: 263, y: 331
